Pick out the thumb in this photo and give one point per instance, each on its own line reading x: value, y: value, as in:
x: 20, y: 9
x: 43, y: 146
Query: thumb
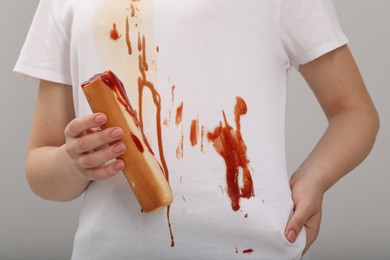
x: 295, y: 224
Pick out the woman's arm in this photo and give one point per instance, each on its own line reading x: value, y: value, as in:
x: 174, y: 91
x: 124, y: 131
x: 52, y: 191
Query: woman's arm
x: 353, y: 124
x: 64, y: 152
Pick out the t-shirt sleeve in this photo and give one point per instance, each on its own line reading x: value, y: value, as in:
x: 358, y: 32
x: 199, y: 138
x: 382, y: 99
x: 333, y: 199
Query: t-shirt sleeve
x: 46, y: 50
x: 309, y: 29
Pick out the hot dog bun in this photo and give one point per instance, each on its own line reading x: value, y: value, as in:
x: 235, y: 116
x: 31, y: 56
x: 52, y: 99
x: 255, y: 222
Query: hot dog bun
x: 105, y: 93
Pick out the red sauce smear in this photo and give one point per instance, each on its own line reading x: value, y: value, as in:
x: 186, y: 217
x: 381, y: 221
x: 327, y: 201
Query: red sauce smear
x: 128, y: 42
x: 173, y: 92
x: 114, y: 33
x: 172, y: 99
x: 230, y: 145
x: 247, y: 251
x: 143, y: 83
x: 179, y: 114
x: 180, y: 146
x: 194, y: 130
x: 202, y: 137
x: 137, y: 143
x: 132, y: 8
x: 112, y: 81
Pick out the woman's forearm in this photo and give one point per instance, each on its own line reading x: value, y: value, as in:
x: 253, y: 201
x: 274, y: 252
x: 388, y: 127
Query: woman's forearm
x: 346, y: 142
x: 50, y: 174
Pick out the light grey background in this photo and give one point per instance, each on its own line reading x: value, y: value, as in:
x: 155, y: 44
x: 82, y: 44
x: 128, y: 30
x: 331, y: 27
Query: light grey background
x: 356, y: 219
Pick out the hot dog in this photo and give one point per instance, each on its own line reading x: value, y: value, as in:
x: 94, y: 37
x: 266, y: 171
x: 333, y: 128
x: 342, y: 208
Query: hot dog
x: 105, y: 93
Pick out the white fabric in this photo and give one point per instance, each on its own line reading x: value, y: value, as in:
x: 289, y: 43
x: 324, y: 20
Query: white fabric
x: 212, y: 51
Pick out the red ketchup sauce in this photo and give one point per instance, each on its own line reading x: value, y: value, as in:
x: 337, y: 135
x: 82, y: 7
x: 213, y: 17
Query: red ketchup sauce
x: 230, y: 145
x: 114, y: 33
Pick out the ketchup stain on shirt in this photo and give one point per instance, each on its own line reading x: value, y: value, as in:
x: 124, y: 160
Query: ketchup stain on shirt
x: 143, y: 83
x: 247, y: 251
x: 114, y: 33
x: 179, y: 114
x: 128, y: 41
x: 230, y: 145
x: 180, y: 146
x: 194, y: 132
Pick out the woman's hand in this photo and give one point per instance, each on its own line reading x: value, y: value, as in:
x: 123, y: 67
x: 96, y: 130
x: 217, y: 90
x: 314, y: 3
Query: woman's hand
x: 90, y: 149
x: 307, y: 195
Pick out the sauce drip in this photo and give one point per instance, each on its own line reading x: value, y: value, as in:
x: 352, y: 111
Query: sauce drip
x: 202, y: 137
x: 114, y: 33
x: 247, y: 251
x: 194, y: 131
x: 128, y: 42
x: 230, y: 145
x: 180, y: 146
x: 134, y: 8
x: 113, y: 82
x: 143, y: 83
x: 137, y: 143
x: 179, y: 114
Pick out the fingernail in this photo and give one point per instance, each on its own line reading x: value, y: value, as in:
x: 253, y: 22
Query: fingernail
x: 100, y: 119
x: 119, y: 148
x: 119, y: 165
x: 291, y: 236
x: 116, y: 133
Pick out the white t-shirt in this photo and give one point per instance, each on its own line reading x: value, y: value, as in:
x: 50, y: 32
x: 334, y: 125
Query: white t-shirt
x: 220, y: 68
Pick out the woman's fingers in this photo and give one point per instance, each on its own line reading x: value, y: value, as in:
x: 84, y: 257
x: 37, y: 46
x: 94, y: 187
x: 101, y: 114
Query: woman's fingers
x: 95, y: 140
x: 103, y: 172
x: 79, y: 125
x: 94, y: 153
x: 99, y: 157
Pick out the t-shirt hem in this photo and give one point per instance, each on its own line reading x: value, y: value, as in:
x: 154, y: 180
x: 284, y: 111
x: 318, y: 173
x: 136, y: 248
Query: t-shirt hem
x: 35, y: 75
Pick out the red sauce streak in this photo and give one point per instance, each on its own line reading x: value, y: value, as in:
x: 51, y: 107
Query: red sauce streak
x: 179, y: 114
x: 247, y: 251
x: 246, y: 215
x: 230, y: 145
x: 172, y: 99
x: 194, y: 131
x: 114, y: 33
x: 139, y: 42
x: 180, y: 146
x: 132, y: 8
x: 128, y: 42
x: 112, y: 81
x: 202, y: 137
x: 143, y: 83
x: 173, y: 92
x: 137, y: 143
x: 144, y: 62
